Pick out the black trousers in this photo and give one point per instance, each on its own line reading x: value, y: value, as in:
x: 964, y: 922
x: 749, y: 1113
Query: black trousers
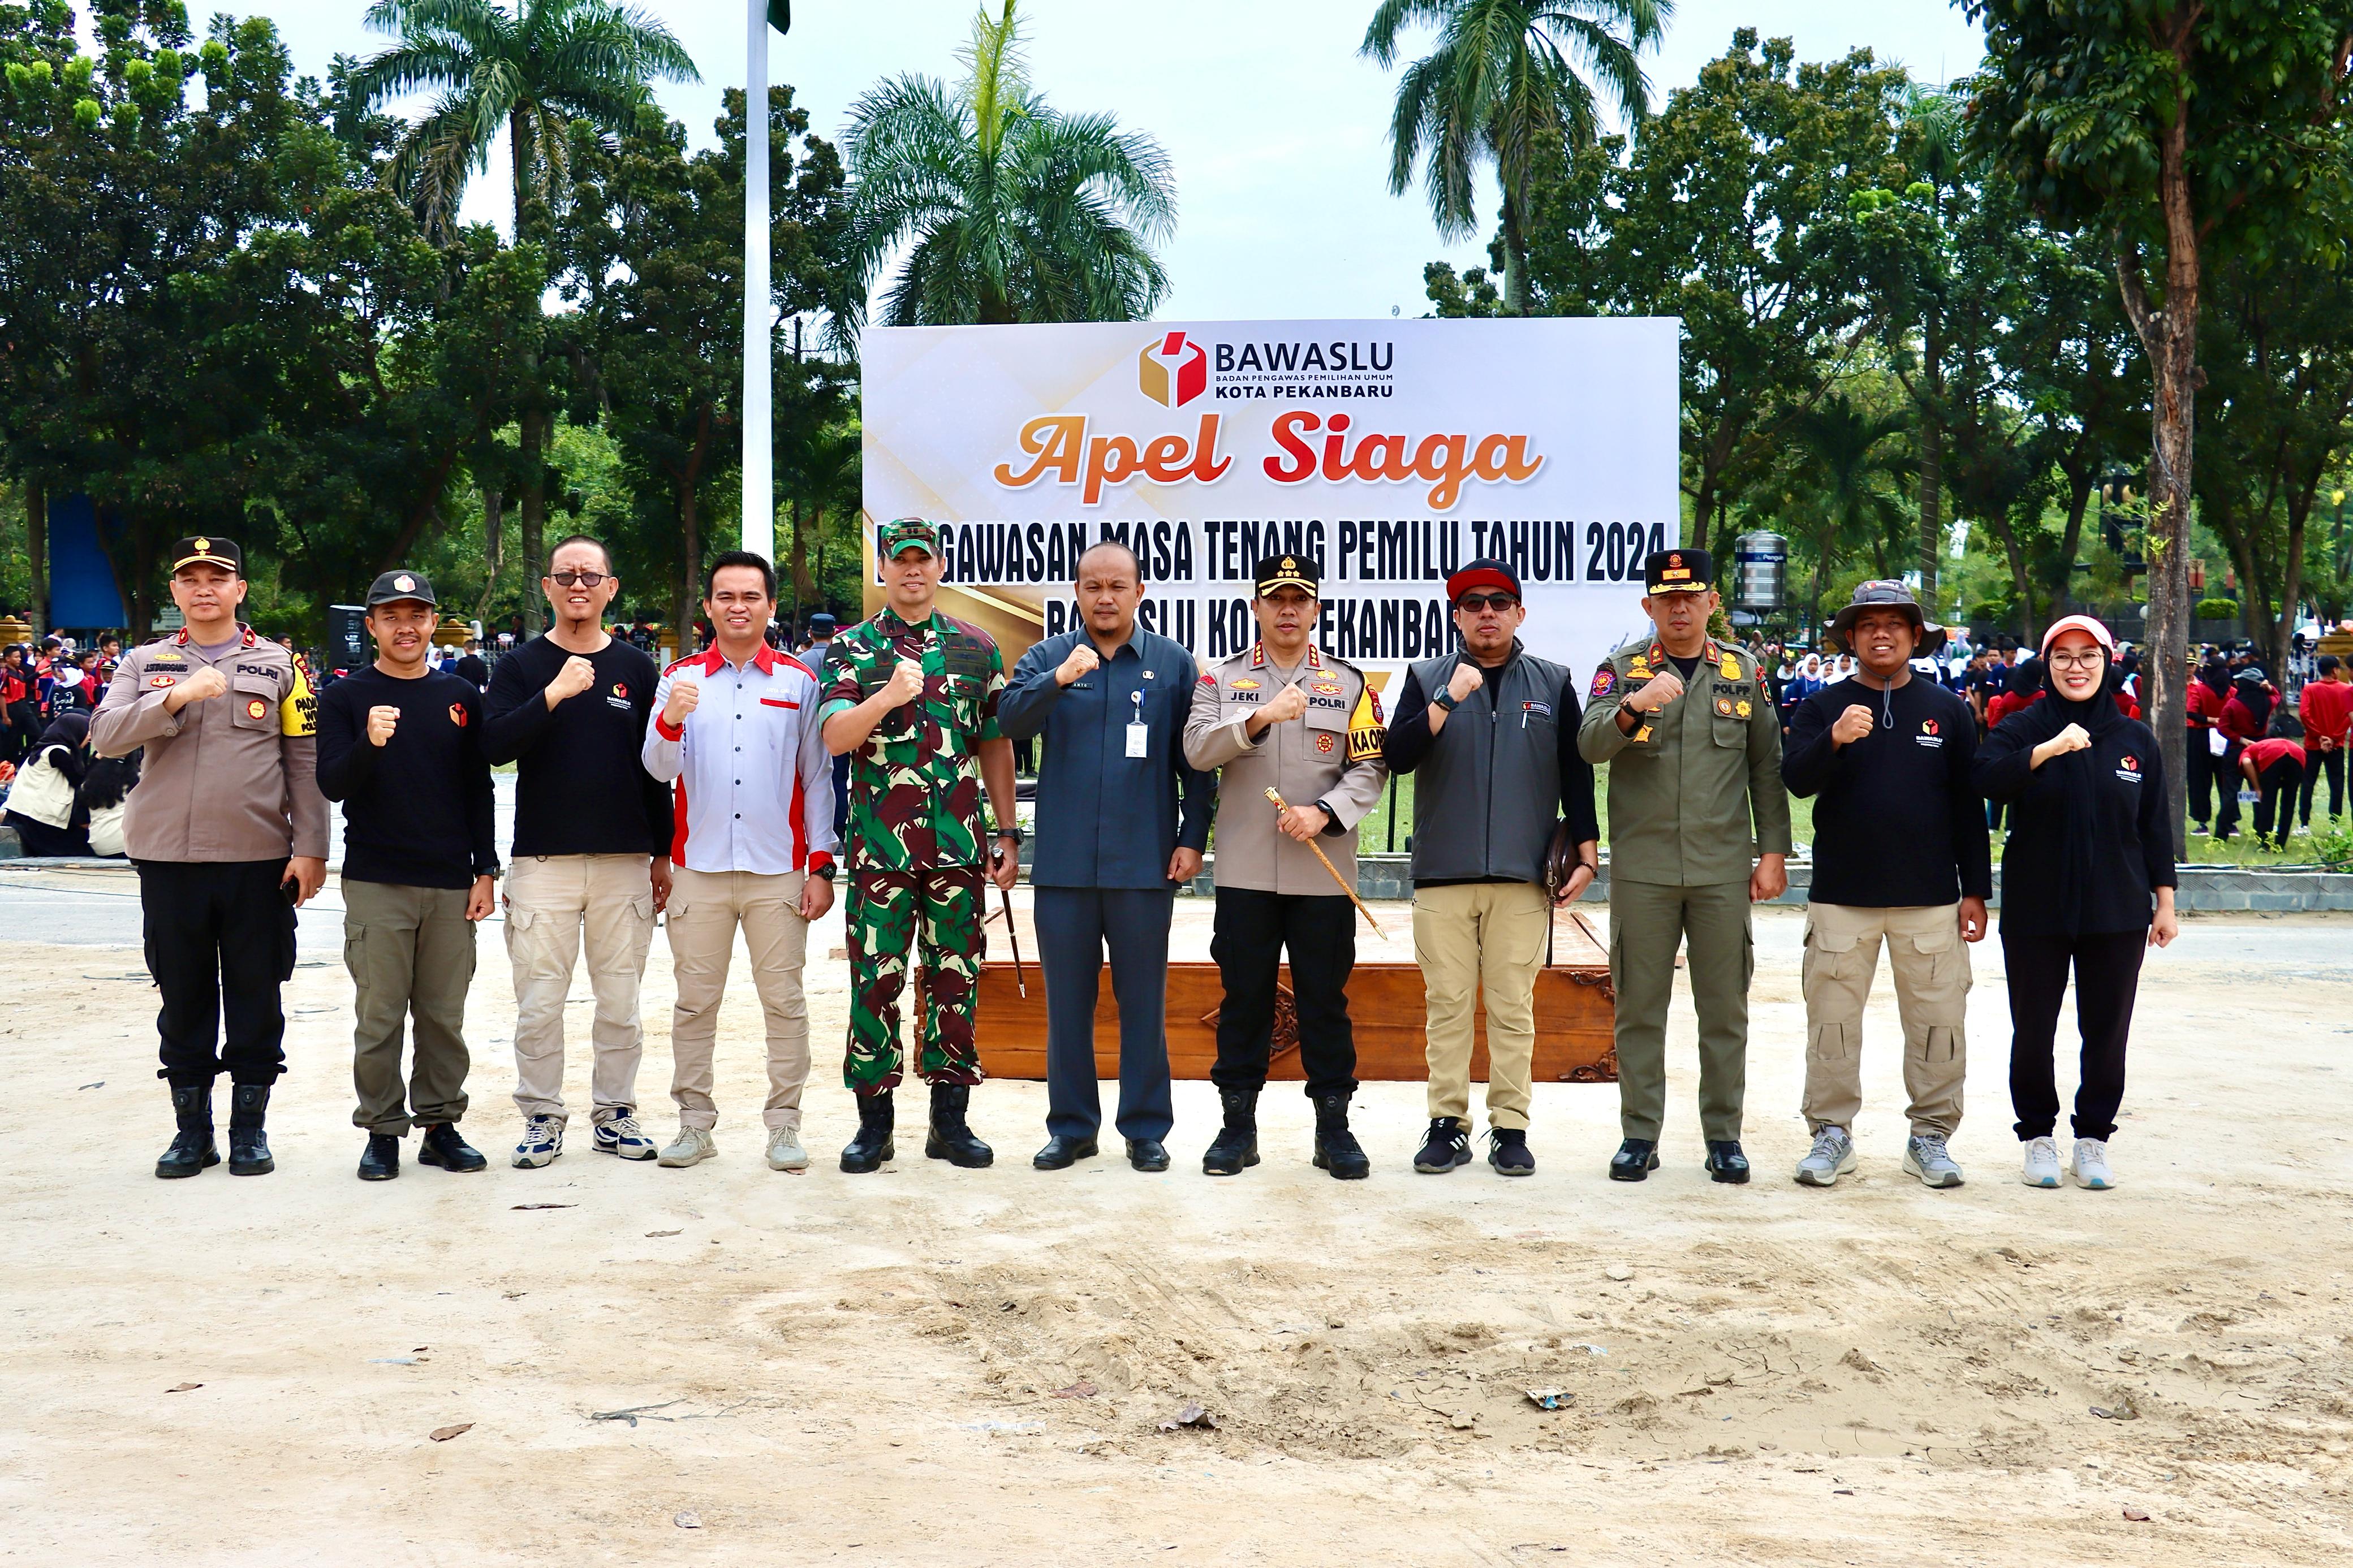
x: 2315, y: 760
x: 2107, y: 975
x: 2280, y: 785
x: 2213, y: 780
x: 221, y: 942
x: 1253, y: 933
x: 1076, y: 928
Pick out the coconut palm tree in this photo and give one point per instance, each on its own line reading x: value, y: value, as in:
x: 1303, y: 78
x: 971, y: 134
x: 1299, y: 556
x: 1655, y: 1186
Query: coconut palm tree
x: 1504, y: 73
x: 535, y: 70
x: 1008, y: 210
x: 532, y: 70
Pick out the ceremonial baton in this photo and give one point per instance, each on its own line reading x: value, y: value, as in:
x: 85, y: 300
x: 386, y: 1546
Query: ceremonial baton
x: 1282, y: 804
x: 1015, y: 938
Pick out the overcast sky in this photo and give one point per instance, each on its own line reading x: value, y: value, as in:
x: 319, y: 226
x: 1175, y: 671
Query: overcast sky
x: 1274, y: 125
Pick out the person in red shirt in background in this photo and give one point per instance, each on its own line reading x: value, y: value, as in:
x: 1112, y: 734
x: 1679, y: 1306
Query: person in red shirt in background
x: 2326, y: 705
x: 2211, y: 774
x: 2275, y: 766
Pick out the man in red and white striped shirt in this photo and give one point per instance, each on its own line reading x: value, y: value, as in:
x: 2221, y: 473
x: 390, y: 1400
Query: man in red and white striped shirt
x: 735, y: 736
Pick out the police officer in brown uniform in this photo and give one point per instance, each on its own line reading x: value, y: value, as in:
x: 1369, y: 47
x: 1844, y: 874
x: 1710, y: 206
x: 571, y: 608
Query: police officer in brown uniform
x: 229, y: 834
x: 1286, y: 715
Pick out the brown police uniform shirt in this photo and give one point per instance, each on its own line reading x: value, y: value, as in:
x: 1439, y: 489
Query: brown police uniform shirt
x: 230, y: 778
x: 1332, y: 753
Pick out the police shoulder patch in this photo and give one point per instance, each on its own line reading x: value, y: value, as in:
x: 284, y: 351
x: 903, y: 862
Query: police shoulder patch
x: 1605, y: 681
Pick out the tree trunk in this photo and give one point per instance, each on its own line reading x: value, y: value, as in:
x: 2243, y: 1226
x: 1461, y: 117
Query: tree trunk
x: 2078, y: 500
x: 494, y: 537
x: 1515, y: 261
x: 37, y: 554
x: 2299, y: 515
x: 2170, y: 337
x: 1932, y: 466
x: 690, y: 530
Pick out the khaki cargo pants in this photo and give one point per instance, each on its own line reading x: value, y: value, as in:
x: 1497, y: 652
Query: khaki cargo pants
x: 556, y: 904
x: 1931, y: 965
x: 705, y: 909
x: 1468, y: 936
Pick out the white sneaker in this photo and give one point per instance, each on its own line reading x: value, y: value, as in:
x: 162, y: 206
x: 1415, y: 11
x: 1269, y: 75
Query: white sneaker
x: 542, y: 1140
x: 690, y: 1147
x: 2090, y: 1165
x: 785, y: 1150
x: 1833, y: 1156
x: 623, y: 1136
x: 2041, y: 1163
x: 1926, y: 1156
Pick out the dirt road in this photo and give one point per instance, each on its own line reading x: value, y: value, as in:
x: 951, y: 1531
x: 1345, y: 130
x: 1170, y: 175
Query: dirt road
x: 938, y: 1367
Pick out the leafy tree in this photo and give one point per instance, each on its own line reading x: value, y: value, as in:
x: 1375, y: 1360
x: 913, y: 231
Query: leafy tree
x: 536, y: 70
x: 2189, y: 130
x: 1502, y: 78
x: 1008, y: 209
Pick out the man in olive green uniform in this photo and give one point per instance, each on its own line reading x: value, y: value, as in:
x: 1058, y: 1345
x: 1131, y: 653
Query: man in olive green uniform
x: 1694, y: 748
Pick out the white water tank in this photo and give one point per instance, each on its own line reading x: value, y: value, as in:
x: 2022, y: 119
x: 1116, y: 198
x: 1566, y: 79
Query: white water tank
x: 1760, y: 571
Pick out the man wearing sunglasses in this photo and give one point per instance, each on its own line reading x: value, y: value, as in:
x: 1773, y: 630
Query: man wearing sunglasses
x: 590, y: 864
x: 1489, y: 732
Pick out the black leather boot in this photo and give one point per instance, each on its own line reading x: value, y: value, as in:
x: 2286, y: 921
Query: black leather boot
x: 872, y: 1146
x: 951, y: 1139
x: 1725, y: 1163
x: 1635, y: 1160
x: 1235, y: 1148
x: 248, y: 1145
x: 1336, y: 1149
x: 192, y: 1149
x: 380, y: 1161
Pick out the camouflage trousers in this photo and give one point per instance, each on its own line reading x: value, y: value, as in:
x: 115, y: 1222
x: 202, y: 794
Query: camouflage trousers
x: 891, y: 916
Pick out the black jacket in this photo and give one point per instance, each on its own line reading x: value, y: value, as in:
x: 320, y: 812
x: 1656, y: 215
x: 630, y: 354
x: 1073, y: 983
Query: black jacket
x: 2089, y: 842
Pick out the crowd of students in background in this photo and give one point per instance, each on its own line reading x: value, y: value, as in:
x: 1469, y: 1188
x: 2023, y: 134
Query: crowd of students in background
x: 2251, y: 743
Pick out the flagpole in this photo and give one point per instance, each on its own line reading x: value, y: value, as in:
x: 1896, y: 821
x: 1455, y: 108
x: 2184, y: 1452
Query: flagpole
x: 759, y: 475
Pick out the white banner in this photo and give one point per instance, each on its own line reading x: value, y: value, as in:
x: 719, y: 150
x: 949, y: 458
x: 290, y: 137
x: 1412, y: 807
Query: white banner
x: 1388, y: 452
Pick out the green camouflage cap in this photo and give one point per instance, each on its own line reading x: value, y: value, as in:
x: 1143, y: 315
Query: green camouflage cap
x: 900, y: 533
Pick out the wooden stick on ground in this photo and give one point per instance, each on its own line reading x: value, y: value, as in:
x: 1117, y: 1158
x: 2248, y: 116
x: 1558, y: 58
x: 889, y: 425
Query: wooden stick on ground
x: 1282, y: 804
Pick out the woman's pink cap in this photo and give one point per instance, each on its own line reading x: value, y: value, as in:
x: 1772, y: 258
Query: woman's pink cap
x: 2084, y: 624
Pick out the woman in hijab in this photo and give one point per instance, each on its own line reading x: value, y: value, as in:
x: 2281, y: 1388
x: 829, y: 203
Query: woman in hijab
x: 44, y: 803
x: 2088, y: 883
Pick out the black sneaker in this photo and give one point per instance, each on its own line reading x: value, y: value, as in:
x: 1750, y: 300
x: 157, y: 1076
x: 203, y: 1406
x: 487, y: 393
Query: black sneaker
x: 380, y: 1161
x: 1507, y: 1151
x: 1448, y: 1145
x: 443, y: 1147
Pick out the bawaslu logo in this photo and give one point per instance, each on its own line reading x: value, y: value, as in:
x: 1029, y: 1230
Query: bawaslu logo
x: 1172, y: 371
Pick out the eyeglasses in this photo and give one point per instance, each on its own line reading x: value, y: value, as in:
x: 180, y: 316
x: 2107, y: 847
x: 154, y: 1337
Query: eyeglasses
x: 1474, y: 603
x: 578, y: 579
x: 2087, y: 659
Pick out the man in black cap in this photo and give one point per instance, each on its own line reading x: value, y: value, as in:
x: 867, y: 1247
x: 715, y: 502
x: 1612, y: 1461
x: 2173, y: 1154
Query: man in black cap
x: 1699, y: 829
x: 1900, y: 855
x: 229, y: 833
x: 1285, y: 715
x: 400, y: 745
x: 1492, y: 732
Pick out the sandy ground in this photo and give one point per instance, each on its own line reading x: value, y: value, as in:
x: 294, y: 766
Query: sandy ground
x: 940, y: 1367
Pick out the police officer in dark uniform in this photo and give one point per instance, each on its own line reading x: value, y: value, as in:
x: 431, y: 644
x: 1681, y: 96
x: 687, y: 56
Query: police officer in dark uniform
x: 228, y: 831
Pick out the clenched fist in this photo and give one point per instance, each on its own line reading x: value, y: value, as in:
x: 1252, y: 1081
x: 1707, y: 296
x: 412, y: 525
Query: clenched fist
x: 1852, y: 725
x: 1289, y: 703
x: 2071, y: 739
x: 1467, y: 679
x: 205, y: 683
x: 684, y: 697
x: 1082, y: 663
x: 906, y: 682
x: 381, y: 722
x: 576, y: 677
x: 1661, y: 689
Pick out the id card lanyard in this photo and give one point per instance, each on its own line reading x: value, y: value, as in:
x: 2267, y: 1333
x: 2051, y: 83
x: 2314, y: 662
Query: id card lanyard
x: 1136, y: 731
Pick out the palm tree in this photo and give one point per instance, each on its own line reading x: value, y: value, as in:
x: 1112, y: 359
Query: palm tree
x: 1504, y: 74
x: 533, y: 69
x: 1853, y: 465
x: 1013, y: 211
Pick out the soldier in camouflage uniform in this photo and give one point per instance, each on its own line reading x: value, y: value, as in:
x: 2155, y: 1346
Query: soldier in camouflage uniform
x: 911, y: 697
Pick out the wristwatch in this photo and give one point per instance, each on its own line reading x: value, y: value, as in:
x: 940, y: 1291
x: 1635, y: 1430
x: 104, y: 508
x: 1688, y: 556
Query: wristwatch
x: 830, y: 871
x: 1014, y: 833
x: 1445, y: 699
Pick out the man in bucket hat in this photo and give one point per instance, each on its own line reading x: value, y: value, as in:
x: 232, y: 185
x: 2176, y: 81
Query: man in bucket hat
x: 1900, y: 855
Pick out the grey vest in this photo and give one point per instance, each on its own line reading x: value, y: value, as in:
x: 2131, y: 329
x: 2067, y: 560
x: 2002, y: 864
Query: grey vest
x: 1487, y: 795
